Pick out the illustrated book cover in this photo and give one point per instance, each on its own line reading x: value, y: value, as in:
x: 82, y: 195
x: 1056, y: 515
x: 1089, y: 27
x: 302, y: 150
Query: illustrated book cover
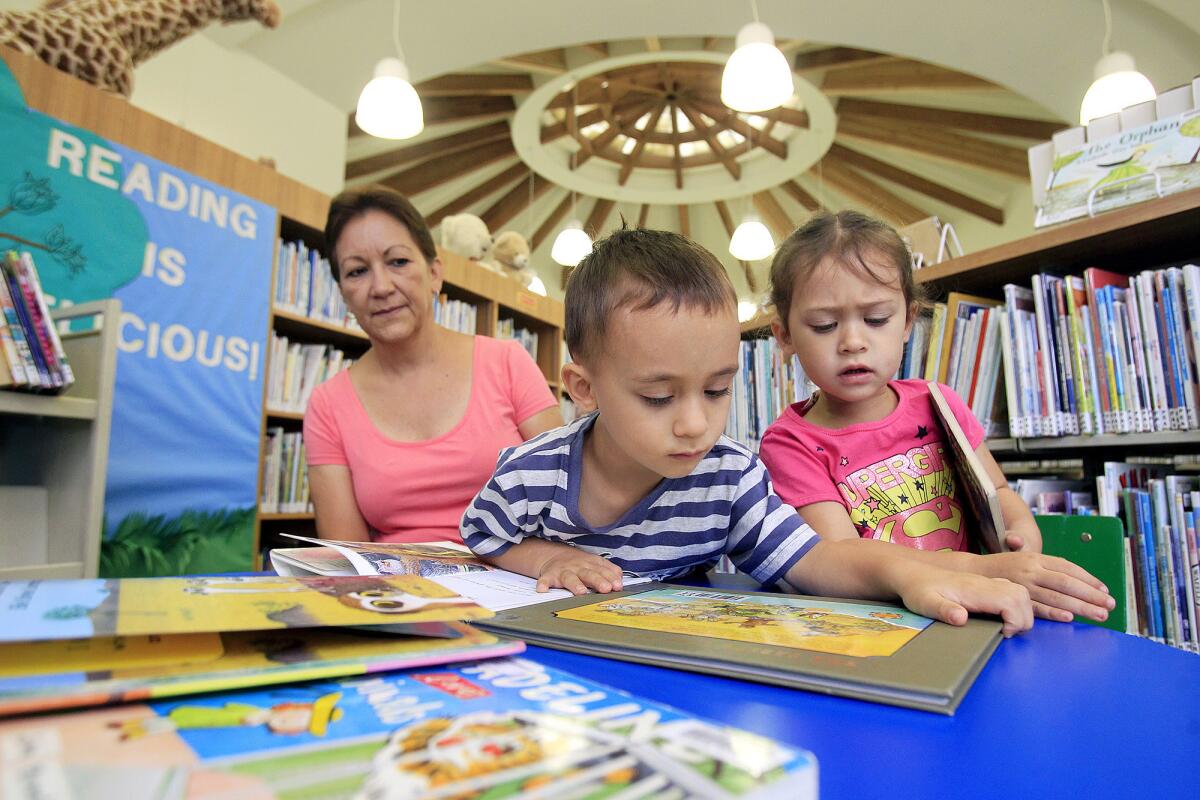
x: 60, y: 674
x: 454, y: 567
x: 869, y: 651
x: 80, y: 609
x: 503, y: 728
x: 979, y: 491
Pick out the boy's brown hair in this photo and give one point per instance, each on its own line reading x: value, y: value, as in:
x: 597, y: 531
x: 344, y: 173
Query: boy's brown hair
x: 846, y: 236
x: 353, y: 203
x: 640, y: 269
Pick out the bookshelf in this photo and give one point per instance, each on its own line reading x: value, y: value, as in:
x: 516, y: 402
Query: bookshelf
x: 54, y: 458
x: 495, y: 297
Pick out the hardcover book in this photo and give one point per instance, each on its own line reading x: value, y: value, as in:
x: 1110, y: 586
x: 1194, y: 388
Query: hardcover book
x: 977, y: 487
x: 503, y: 728
x: 870, y: 651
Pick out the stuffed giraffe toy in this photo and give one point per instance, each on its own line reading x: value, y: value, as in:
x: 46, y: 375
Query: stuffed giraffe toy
x: 101, y: 41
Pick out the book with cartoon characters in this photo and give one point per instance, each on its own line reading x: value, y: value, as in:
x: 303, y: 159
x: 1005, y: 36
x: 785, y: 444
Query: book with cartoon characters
x: 870, y: 651
x: 503, y: 728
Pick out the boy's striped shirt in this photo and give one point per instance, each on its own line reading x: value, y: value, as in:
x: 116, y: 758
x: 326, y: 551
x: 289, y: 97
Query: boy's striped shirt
x: 725, y: 506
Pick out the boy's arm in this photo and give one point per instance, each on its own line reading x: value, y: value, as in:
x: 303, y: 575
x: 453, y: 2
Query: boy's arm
x: 559, y: 566
x: 867, y: 569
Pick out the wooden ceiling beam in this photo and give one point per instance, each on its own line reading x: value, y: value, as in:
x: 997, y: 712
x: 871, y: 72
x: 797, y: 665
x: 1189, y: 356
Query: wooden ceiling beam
x: 433, y: 173
x: 729, y: 118
x: 1022, y: 127
x: 838, y: 174
x: 547, y: 62
x: 462, y: 83
x: 619, y: 123
x: 631, y: 160
x: 727, y: 221
x: 836, y: 58
x: 551, y: 222
x: 438, y: 110
x: 900, y: 75
x: 712, y: 43
x: 472, y: 196
x: 788, y: 116
x: 937, y: 191
x: 773, y: 214
x: 599, y: 48
x: 643, y: 214
x: 678, y: 159
x: 684, y: 226
x: 514, y: 202
x: 955, y: 148
x: 422, y: 150
x: 653, y: 44
x: 596, y: 219
x: 800, y: 195
x: 728, y: 161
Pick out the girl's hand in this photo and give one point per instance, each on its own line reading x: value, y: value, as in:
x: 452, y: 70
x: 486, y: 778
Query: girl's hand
x: 1058, y: 589
x: 949, y: 596
x: 578, y: 572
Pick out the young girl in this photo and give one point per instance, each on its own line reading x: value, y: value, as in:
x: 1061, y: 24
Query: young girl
x: 864, y: 457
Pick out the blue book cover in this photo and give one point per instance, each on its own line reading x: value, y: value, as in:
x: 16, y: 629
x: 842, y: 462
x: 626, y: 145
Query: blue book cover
x: 1146, y: 524
x: 502, y: 728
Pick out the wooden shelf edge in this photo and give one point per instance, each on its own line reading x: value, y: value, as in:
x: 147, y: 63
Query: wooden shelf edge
x: 278, y: 413
x: 285, y: 515
x: 300, y: 319
x: 47, y: 405
x: 56, y: 571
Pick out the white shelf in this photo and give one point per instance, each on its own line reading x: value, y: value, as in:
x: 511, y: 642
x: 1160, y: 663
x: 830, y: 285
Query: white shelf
x: 1108, y: 440
x: 42, y: 405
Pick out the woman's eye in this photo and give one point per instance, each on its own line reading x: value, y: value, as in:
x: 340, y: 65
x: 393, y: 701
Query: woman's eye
x: 657, y: 401
x: 878, y: 322
x: 823, y: 328
x: 717, y: 392
x: 399, y: 262
x: 354, y: 273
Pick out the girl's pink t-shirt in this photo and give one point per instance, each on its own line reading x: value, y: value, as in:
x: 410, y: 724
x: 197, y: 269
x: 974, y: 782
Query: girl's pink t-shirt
x: 894, y: 476
x: 417, y: 491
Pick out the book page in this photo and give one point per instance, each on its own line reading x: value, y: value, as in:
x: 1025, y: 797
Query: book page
x: 498, y: 590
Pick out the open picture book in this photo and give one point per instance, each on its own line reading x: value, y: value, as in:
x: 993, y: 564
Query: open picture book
x: 979, y: 496
x: 449, y: 565
x: 869, y: 651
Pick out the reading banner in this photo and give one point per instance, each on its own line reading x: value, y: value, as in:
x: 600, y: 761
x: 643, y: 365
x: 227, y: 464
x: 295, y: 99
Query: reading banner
x: 190, y: 262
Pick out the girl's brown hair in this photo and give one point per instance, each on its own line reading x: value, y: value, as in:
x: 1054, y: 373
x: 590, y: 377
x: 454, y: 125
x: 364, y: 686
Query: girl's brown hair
x: 846, y: 236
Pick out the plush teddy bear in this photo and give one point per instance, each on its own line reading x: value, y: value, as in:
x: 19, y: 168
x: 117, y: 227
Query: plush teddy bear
x: 101, y: 41
x: 511, y: 252
x: 467, y: 235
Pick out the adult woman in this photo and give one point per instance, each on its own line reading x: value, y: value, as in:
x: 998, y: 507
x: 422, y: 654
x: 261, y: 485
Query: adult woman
x: 399, y: 444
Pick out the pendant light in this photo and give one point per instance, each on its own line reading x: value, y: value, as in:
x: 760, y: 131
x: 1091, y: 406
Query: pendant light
x: 1117, y: 83
x: 389, y: 106
x: 751, y: 241
x: 572, y: 243
x: 746, y: 310
x: 536, y: 285
x: 757, y: 76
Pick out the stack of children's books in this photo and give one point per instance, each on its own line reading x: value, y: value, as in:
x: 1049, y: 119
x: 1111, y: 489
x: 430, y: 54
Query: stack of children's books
x: 31, y: 353
x: 358, y: 686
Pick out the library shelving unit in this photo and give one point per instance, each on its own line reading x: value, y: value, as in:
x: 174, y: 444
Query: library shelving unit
x: 54, y: 458
x: 495, y: 297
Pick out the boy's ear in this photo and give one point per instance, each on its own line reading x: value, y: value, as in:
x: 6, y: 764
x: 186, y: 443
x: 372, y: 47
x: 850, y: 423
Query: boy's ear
x: 578, y: 383
x: 782, y: 337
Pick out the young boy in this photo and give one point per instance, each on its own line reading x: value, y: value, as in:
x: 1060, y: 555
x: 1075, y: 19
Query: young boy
x: 647, y: 483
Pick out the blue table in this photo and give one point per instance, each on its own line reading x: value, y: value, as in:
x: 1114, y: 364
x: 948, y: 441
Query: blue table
x: 1064, y: 711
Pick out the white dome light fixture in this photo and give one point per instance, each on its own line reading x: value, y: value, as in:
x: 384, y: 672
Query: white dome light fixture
x: 571, y: 244
x: 388, y: 106
x: 747, y: 310
x: 757, y: 76
x: 1117, y: 84
x: 751, y: 241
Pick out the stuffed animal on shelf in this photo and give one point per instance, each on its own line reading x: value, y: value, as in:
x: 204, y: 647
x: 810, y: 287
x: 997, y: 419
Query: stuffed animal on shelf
x: 511, y: 252
x: 101, y: 41
x: 468, y: 236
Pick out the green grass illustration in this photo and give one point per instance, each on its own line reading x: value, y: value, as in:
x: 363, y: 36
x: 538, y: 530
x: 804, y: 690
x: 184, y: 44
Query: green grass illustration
x: 195, y: 542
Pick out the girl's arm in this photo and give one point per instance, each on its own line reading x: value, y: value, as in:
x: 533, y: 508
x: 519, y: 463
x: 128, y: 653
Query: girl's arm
x: 332, y: 493
x: 829, y: 520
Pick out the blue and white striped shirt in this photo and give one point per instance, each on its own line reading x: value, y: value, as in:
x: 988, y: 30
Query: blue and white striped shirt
x: 725, y: 506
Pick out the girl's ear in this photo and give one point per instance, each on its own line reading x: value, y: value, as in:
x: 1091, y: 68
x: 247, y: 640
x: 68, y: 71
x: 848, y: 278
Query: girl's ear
x: 910, y: 319
x: 782, y: 336
x: 578, y: 383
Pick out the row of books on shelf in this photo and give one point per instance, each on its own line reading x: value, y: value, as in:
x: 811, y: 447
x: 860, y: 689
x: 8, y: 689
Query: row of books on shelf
x: 766, y: 384
x: 298, y: 368
x: 1074, y: 355
x: 507, y: 329
x: 285, y: 474
x: 31, y: 352
x: 455, y: 314
x: 304, y: 285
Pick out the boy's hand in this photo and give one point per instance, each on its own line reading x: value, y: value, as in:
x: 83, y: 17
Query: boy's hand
x: 948, y: 596
x: 577, y: 572
x: 1059, y: 589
